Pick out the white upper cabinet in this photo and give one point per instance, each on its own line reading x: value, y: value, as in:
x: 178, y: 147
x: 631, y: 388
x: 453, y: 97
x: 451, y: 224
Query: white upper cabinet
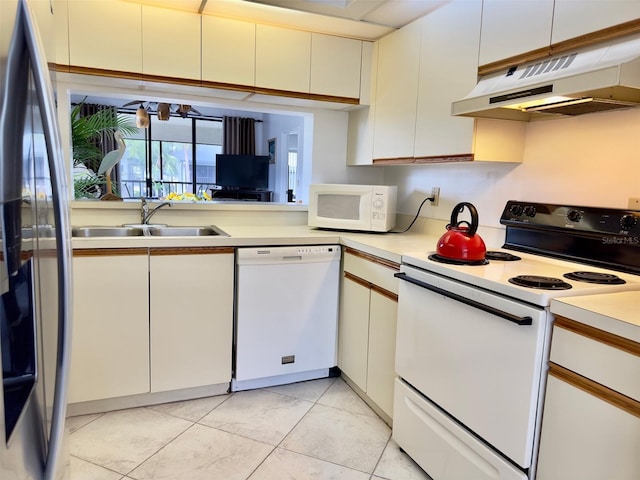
x: 283, y: 58
x: 447, y: 73
x: 335, y: 65
x: 170, y: 43
x: 105, y: 35
x: 397, y: 92
x: 572, y: 18
x: 228, y: 51
x: 513, y: 27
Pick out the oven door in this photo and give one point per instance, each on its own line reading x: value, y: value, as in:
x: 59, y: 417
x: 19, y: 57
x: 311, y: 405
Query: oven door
x: 475, y: 355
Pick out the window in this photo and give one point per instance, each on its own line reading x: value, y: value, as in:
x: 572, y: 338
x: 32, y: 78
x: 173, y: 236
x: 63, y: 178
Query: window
x: 177, y: 155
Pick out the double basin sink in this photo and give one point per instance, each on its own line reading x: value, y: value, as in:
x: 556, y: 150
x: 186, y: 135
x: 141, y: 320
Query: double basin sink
x: 140, y: 230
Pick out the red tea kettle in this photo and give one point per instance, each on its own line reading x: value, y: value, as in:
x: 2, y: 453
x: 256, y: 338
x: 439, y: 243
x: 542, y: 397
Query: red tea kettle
x: 460, y: 242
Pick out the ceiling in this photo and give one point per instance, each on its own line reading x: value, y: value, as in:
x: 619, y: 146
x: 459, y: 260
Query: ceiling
x: 362, y: 19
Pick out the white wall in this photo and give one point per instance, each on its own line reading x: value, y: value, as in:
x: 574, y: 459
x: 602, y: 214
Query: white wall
x: 591, y: 160
x: 330, y: 152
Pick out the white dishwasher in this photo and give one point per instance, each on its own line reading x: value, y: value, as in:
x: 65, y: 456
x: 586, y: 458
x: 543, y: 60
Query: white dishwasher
x: 286, y: 314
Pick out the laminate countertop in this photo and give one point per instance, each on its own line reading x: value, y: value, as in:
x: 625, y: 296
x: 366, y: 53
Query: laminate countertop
x: 617, y: 313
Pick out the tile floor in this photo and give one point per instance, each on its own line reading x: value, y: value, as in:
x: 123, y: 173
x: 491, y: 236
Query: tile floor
x: 311, y: 430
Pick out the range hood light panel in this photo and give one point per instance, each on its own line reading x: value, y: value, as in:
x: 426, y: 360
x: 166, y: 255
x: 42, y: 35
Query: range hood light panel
x: 565, y: 103
x: 524, y: 106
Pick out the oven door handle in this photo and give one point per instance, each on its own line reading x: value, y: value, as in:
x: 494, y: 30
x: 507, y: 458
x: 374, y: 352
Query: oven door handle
x: 472, y: 303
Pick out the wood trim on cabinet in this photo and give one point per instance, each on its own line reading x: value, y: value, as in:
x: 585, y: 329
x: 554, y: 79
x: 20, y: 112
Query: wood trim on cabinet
x: 462, y: 157
x: 109, y: 252
x: 385, y: 293
x: 612, y: 397
x: 610, y: 33
x: 203, y: 83
x: 356, y: 279
x: 610, y: 339
x: 157, y: 251
x: 372, y: 258
x: 306, y: 96
x: 100, y: 72
x: 366, y: 284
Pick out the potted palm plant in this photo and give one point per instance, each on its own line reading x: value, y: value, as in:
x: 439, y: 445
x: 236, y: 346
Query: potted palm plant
x: 86, y: 134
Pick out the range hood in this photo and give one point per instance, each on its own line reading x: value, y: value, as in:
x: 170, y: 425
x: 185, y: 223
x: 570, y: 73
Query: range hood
x: 593, y: 79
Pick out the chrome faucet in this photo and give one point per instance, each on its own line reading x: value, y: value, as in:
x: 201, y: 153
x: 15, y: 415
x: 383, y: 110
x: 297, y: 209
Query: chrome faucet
x: 146, y: 214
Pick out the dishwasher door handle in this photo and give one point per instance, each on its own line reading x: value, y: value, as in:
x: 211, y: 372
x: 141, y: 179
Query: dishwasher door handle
x: 467, y: 301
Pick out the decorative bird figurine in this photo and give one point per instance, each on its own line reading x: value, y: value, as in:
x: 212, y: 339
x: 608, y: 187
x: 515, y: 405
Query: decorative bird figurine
x: 108, y: 162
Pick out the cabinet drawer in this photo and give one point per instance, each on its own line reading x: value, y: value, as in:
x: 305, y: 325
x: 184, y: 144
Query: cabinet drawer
x: 372, y: 269
x: 608, y: 359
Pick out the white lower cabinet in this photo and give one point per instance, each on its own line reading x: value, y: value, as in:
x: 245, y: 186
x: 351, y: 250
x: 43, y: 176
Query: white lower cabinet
x: 191, y: 308
x: 586, y: 438
x: 591, y: 419
x: 367, y: 327
x: 110, y: 343
x: 150, y: 320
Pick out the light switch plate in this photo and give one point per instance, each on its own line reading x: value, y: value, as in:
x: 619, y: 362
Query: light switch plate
x: 634, y: 203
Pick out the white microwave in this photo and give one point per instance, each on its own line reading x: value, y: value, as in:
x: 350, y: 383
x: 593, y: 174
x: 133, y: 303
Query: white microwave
x: 369, y: 208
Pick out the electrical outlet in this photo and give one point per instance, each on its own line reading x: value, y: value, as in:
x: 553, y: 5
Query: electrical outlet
x: 634, y: 203
x: 435, y: 193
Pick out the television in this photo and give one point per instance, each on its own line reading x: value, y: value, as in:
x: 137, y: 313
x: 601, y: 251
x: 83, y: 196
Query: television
x: 242, y: 172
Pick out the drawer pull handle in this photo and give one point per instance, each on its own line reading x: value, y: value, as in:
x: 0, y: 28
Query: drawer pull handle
x: 472, y: 303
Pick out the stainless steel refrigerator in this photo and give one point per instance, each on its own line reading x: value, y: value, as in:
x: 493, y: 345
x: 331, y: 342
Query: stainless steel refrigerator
x: 34, y: 258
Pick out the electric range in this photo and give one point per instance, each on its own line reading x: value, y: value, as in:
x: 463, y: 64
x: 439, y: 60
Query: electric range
x: 472, y: 344
x: 549, y: 243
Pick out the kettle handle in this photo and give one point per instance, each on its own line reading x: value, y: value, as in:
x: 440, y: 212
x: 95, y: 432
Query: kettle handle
x: 473, y: 228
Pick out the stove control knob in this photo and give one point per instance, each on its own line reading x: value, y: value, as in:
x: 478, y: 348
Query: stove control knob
x: 627, y: 222
x: 530, y: 211
x: 516, y: 209
x: 574, y: 215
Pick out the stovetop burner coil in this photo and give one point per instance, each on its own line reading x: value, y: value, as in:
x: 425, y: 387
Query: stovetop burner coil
x: 540, y: 283
x: 595, y: 277
x: 501, y: 256
x: 454, y: 261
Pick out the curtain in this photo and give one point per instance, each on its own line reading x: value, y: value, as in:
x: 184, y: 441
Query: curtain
x: 239, y: 136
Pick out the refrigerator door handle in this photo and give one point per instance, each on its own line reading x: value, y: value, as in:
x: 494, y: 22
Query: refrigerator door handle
x: 44, y: 91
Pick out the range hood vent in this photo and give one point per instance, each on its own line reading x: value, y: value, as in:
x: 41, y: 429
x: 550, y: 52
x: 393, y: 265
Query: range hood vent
x: 595, y: 79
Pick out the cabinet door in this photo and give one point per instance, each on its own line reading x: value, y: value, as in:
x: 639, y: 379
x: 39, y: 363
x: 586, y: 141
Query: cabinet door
x: 283, y: 58
x: 572, y: 18
x: 511, y: 28
x: 170, y: 43
x: 105, y: 34
x: 397, y: 93
x: 585, y: 438
x: 191, y: 308
x: 335, y: 65
x: 447, y: 73
x: 353, y: 332
x: 110, y: 344
x: 382, y: 350
x: 228, y: 51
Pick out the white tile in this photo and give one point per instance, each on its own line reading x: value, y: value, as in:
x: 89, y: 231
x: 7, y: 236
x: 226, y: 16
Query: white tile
x: 204, y: 453
x: 340, y: 395
x: 396, y: 465
x: 76, y: 423
x: 123, y: 439
x: 192, y: 410
x: 339, y: 436
x: 82, y: 470
x: 285, y: 465
x: 258, y: 414
x: 310, y: 390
